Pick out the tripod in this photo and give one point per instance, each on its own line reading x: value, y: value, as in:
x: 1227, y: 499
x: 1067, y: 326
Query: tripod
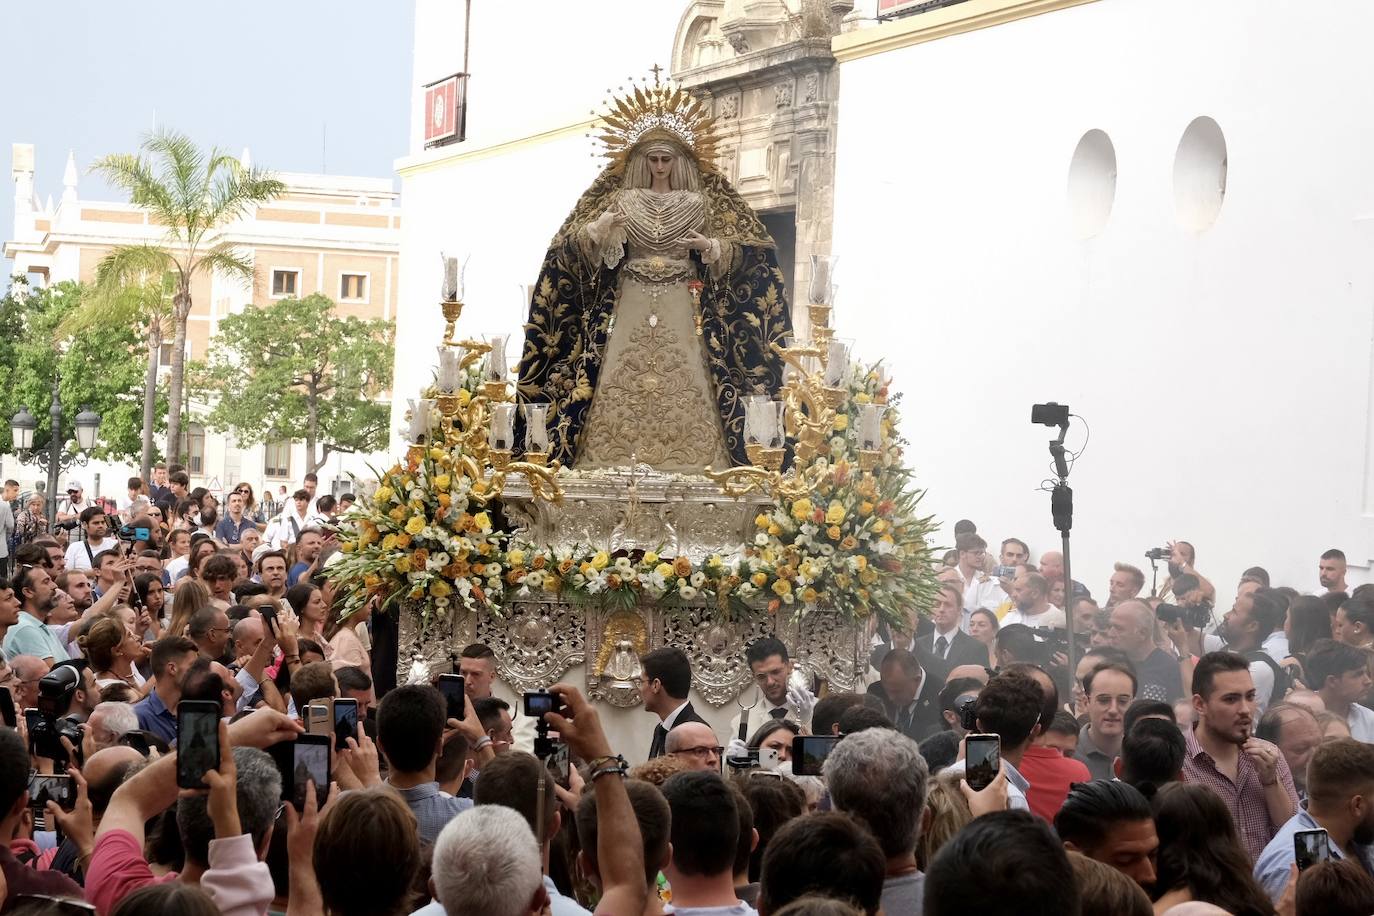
x: 1061, y: 505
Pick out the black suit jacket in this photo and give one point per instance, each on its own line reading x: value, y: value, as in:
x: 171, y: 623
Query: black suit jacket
x: 963, y: 650
x: 926, y: 719
x: 688, y: 714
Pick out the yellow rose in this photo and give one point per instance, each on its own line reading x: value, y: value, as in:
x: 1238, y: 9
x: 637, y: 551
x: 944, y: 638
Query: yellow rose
x: 397, y: 515
x: 650, y: 558
x: 383, y: 494
x: 865, y: 508
x: 482, y: 521
x: 664, y: 569
x: 782, y: 587
x: 389, y: 542
x: 861, y: 563
x: 774, y: 530
x: 868, y: 576
x: 862, y: 398
x: 601, y: 560
x: 402, y: 564
x: 880, y: 526
x: 841, y: 422
x: 809, y: 594
x: 835, y: 514
x: 516, y: 558
x: 440, y: 589
x: 464, y: 396
x: 801, y: 510
x: 346, y: 547
x: 833, y: 532
x: 436, y: 453
x: 415, y: 525
x: 441, y: 481
x: 761, y: 520
x: 759, y: 579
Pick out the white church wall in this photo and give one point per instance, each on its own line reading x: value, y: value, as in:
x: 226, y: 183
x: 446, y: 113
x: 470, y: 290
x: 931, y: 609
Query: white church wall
x: 1225, y: 372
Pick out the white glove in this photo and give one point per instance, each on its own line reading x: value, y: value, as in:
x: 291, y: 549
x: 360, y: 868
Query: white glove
x: 736, y: 749
x: 801, y: 699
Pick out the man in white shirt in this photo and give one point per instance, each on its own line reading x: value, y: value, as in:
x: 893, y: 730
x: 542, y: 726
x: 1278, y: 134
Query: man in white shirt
x: 1252, y: 617
x: 82, y: 554
x: 1340, y: 675
x: 1331, y: 572
x: 980, y: 590
x: 294, y: 519
x: 779, y: 697
x: 76, y: 501
x: 1031, y: 591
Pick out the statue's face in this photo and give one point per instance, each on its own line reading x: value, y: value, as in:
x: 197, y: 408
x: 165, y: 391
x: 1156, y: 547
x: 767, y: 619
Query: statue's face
x: 660, y: 165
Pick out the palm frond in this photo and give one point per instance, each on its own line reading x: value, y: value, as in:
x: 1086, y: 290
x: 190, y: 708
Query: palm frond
x: 238, y: 190
x: 131, y: 265
x: 134, y: 175
x: 225, y: 259
x: 135, y: 304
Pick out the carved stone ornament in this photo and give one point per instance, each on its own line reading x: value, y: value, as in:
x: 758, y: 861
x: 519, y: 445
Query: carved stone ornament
x: 729, y: 107
x: 739, y: 41
x: 714, y: 648
x: 813, y: 87
x: 535, y: 641
x: 782, y: 95
x: 435, y: 650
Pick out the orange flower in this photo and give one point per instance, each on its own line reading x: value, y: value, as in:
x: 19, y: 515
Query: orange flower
x: 849, y: 542
x: 478, y: 594
x: 885, y: 508
x: 774, y: 605
x: 539, y: 561
x: 403, y: 540
x: 445, y: 500
x: 565, y: 567
x: 833, y: 532
x: 613, y: 581
x: 682, y: 567
x: 818, y: 516
x: 420, y: 557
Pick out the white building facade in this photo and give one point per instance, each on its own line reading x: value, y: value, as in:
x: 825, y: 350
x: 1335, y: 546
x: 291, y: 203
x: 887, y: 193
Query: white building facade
x: 330, y: 234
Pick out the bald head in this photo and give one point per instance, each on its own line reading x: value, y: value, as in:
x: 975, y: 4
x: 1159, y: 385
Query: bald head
x: 977, y: 672
x: 248, y: 634
x: 106, y: 770
x: 1307, y: 699
x: 695, y: 744
x: 30, y: 670
x: 1052, y: 565
x: 1195, y: 908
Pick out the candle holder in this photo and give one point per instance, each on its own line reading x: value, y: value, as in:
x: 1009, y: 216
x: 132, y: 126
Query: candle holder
x: 834, y: 397
x: 452, y: 309
x: 820, y: 316
x: 495, y: 390
x: 500, y: 458
x: 538, y: 459
x: 771, y: 458
x: 448, y: 405
x: 754, y: 452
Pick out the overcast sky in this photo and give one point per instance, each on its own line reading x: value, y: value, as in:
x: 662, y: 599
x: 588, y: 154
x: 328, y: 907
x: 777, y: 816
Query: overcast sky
x: 277, y: 77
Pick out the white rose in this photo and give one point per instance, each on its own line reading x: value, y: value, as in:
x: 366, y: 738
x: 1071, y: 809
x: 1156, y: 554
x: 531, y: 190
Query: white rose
x: 686, y: 592
x: 698, y: 579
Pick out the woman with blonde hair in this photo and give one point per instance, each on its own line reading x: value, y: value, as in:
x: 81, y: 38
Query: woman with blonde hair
x: 949, y: 813
x: 190, y: 595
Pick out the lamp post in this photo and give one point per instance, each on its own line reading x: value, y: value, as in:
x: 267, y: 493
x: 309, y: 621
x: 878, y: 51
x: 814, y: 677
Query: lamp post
x: 22, y: 428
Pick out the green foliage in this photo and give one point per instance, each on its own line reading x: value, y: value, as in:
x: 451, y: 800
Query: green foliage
x: 295, y: 370
x: 102, y: 367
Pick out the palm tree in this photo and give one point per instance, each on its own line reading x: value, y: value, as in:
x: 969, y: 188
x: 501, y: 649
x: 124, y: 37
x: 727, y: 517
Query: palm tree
x: 144, y: 301
x: 192, y: 194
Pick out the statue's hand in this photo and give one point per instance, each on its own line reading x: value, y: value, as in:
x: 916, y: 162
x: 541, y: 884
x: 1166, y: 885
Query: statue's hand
x: 695, y: 240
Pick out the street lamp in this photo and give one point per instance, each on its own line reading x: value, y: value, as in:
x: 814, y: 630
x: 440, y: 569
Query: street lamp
x: 22, y: 427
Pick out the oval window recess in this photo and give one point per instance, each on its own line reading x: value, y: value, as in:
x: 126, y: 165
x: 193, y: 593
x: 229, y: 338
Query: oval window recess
x: 1092, y: 184
x: 1200, y: 174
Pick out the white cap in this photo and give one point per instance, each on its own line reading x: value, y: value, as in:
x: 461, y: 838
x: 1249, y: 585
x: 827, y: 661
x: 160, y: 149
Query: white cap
x: 75, y: 485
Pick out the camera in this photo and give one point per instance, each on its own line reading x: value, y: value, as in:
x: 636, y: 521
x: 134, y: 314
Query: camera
x: 539, y: 702
x: 1195, y: 616
x: 56, y: 690
x: 130, y: 533
x: 1158, y: 553
x: 68, y: 525
x: 1050, y: 414
x: 968, y: 714
x: 748, y: 761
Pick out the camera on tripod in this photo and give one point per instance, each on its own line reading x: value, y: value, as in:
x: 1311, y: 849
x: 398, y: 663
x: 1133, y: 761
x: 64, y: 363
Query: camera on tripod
x: 56, y: 690
x: 1158, y: 553
x: 1194, y: 616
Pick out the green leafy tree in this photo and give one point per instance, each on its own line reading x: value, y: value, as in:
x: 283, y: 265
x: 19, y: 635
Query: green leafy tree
x: 102, y: 368
x: 144, y: 302
x: 295, y: 370
x: 192, y: 194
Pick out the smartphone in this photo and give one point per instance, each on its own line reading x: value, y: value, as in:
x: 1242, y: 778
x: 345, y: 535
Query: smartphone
x: 769, y: 759
x: 43, y: 789
x: 540, y: 702
x: 809, y: 753
x: 310, y: 763
x: 138, y: 740
x: 982, y: 760
x: 451, y: 686
x: 31, y: 719
x: 283, y: 754
x: 558, y: 765
x: 197, y: 742
x: 345, y: 722
x: 1311, y: 847
x: 319, y: 720
x: 7, y: 711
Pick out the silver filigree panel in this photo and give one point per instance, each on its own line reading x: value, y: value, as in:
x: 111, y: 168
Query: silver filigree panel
x: 535, y: 642
x: 435, y: 651
x: 714, y: 648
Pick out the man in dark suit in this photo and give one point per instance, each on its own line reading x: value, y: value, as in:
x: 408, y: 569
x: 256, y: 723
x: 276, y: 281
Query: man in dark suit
x: 664, y: 683
x: 908, y: 691
x: 946, y: 641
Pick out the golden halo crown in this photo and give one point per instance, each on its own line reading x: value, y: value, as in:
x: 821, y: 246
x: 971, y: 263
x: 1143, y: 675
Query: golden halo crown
x: 661, y: 109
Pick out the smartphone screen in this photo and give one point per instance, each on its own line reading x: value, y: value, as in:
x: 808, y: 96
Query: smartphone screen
x: 310, y: 763
x: 809, y: 753
x: 558, y: 765
x: 982, y: 760
x: 540, y: 702
x: 7, y: 713
x: 451, y: 686
x: 345, y: 722
x: 43, y: 789
x: 1311, y: 847
x: 319, y: 720
x: 283, y: 754
x: 197, y: 742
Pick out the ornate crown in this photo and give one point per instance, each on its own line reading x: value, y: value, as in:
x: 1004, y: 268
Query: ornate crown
x: 660, y: 110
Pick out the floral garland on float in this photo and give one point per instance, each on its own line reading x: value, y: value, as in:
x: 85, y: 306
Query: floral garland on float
x: 843, y: 532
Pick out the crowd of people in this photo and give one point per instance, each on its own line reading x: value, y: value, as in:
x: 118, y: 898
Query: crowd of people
x: 1172, y: 761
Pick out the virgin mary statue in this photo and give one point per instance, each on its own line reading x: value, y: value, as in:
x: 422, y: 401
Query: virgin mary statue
x: 657, y: 303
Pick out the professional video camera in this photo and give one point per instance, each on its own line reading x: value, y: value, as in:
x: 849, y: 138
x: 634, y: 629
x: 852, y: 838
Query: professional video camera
x: 56, y: 691
x: 1195, y: 616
